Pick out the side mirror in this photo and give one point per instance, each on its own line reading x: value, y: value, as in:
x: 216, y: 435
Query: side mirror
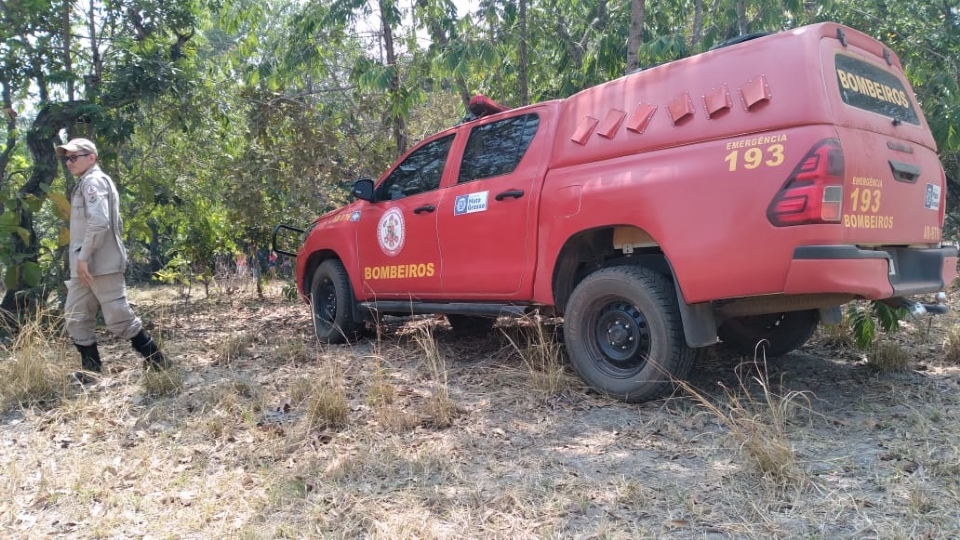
x: 363, y: 189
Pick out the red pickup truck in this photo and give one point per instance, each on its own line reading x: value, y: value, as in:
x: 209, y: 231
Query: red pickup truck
x: 745, y: 193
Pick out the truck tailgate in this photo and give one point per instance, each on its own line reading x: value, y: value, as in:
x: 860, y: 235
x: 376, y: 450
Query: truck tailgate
x: 893, y: 191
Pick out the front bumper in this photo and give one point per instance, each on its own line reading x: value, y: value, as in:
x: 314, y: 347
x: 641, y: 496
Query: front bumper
x: 873, y: 274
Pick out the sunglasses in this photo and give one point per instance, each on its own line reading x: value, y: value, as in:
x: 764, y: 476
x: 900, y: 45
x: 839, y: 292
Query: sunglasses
x: 71, y: 159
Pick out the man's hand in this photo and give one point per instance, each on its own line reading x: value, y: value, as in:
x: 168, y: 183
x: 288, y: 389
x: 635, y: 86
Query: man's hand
x: 84, y: 273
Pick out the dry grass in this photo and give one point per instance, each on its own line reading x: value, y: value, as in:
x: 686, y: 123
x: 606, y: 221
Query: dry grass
x: 234, y: 346
x: 439, y: 407
x: 162, y: 383
x: 838, y: 335
x: 542, y: 355
x: 32, y: 376
x: 381, y: 392
x: 393, y: 438
x: 383, y: 399
x: 759, y: 424
x: 26, y: 382
x: 888, y: 357
x: 325, y: 402
x: 292, y: 351
x: 951, y: 346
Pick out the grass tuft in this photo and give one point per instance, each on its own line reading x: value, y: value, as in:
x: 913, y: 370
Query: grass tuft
x: 294, y: 351
x: 951, y: 346
x: 234, y: 346
x: 162, y: 383
x: 888, y: 357
x: 759, y: 424
x: 325, y: 401
x: 30, y: 377
x: 838, y: 335
x: 382, y: 398
x: 439, y: 407
x: 381, y: 392
x: 542, y: 355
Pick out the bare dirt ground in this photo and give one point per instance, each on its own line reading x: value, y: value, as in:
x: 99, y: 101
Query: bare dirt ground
x: 418, y: 433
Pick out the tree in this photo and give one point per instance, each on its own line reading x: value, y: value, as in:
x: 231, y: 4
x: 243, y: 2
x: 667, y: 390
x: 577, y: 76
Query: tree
x: 122, y: 54
x: 637, y: 11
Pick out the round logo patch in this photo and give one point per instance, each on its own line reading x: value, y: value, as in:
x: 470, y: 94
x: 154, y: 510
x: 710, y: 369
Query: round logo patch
x: 391, y: 232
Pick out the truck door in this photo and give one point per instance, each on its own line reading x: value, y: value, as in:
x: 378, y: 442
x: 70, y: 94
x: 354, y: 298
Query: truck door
x: 486, y: 219
x: 397, y: 237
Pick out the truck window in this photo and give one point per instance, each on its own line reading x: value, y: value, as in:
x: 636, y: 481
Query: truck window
x: 421, y: 171
x: 497, y: 148
x: 872, y: 88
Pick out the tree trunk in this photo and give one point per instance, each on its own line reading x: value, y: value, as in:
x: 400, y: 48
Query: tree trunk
x: 41, y: 140
x: 637, y: 14
x: 696, y: 36
x: 399, y: 127
x: 439, y: 36
x: 67, y: 58
x: 95, y: 45
x: 524, y: 91
x: 11, y: 116
x: 742, y: 17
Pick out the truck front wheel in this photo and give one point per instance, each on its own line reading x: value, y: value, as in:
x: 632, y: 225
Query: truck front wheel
x: 780, y: 333
x: 624, y: 335
x: 331, y: 300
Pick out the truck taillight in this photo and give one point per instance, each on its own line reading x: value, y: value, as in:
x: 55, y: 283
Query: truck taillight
x: 813, y: 193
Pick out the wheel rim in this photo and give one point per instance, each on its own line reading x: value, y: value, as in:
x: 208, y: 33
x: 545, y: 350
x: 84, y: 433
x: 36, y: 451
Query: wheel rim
x: 325, y: 303
x: 622, y: 337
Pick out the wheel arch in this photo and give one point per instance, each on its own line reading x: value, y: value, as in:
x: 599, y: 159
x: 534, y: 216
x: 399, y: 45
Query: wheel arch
x: 617, y: 245
x: 314, y: 260
x: 612, y: 245
x: 317, y: 258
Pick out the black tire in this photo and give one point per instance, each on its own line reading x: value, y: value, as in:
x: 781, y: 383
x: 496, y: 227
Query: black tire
x: 780, y: 333
x: 470, y: 324
x: 624, y: 335
x: 331, y: 301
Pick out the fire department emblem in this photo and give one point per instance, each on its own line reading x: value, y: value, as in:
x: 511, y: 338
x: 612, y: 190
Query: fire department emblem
x: 391, y: 232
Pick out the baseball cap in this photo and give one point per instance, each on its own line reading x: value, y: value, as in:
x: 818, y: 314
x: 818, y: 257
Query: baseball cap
x: 84, y: 146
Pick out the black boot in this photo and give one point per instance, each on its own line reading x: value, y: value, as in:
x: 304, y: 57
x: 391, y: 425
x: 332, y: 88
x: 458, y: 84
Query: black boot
x: 153, y: 358
x: 89, y: 363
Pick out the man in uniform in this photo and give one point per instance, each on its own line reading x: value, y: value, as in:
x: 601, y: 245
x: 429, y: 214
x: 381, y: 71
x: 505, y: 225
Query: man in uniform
x: 97, y: 262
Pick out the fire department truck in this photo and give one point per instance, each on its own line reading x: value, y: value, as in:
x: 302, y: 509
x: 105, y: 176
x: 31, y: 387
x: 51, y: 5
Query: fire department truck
x: 743, y: 194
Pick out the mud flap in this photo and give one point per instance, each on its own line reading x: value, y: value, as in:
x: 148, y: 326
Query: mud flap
x: 699, y: 323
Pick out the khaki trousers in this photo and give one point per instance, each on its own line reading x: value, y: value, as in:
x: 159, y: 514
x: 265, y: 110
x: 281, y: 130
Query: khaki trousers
x: 109, y: 291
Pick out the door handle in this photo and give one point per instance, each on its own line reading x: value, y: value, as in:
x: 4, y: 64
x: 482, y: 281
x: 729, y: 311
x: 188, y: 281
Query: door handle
x: 904, y: 172
x: 509, y: 194
x: 425, y: 209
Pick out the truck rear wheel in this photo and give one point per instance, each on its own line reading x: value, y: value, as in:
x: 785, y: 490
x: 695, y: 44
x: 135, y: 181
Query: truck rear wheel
x: 624, y: 335
x: 781, y: 332
x: 331, y: 300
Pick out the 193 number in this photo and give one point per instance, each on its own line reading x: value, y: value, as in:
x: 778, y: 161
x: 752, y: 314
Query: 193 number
x: 866, y: 200
x: 770, y: 156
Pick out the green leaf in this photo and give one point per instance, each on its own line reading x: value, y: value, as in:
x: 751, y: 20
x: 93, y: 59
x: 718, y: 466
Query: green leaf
x: 888, y: 317
x: 64, y: 237
x: 61, y: 204
x: 34, y: 204
x: 9, y: 219
x: 31, y: 273
x: 24, y: 234
x: 864, y: 329
x: 10, y: 278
